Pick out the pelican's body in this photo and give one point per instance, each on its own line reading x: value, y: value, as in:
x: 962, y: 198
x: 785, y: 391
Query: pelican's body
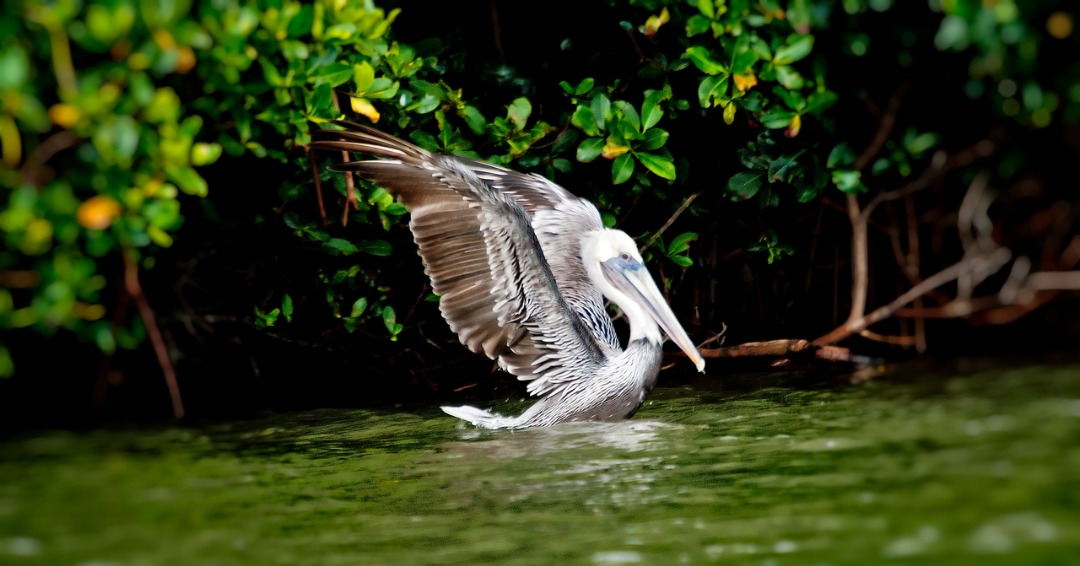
x: 521, y: 267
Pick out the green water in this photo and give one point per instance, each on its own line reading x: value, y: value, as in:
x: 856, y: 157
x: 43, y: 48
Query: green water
x: 983, y: 468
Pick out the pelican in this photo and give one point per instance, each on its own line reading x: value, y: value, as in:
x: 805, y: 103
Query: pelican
x: 521, y: 267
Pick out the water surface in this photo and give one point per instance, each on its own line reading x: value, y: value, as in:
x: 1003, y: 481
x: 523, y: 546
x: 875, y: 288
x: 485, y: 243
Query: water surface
x: 982, y: 468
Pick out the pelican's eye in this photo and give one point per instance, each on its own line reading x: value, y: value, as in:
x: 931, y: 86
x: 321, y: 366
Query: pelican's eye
x: 624, y: 256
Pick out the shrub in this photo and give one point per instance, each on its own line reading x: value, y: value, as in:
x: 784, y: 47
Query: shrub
x: 740, y: 112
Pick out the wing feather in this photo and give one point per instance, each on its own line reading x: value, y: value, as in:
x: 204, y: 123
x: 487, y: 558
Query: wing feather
x: 502, y: 250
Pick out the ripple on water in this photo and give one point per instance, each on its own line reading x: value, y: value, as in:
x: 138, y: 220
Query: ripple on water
x: 938, y: 470
x: 1002, y: 534
x: 617, y: 557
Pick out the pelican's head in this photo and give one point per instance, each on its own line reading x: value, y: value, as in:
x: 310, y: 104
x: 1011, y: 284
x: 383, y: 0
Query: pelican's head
x: 614, y: 264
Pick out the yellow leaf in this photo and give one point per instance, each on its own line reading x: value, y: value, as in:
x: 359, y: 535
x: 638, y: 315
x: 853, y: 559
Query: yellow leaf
x: 611, y: 150
x: 98, y: 212
x: 151, y: 187
x: 164, y: 39
x: 87, y: 311
x: 64, y: 115
x: 159, y: 236
x: 745, y: 81
x: 186, y: 60
x: 38, y: 237
x: 363, y: 107
x: 10, y: 141
x: 729, y: 113
x: 1059, y: 25
x: 652, y: 25
x: 794, y: 127
x: 138, y: 61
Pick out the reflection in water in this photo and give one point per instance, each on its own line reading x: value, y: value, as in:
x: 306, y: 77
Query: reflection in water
x: 947, y: 470
x: 627, y: 436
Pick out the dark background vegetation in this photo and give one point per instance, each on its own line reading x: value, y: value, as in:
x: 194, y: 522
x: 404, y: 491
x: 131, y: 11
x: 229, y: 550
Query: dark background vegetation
x: 770, y: 259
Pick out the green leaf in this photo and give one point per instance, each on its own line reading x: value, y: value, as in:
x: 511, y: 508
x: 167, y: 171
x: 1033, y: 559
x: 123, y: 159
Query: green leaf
x: 781, y: 168
x: 294, y: 50
x: 622, y: 168
x: 806, y: 193
x: 819, y: 102
x: 363, y: 76
x: 662, y: 166
x: 601, y: 106
x: 655, y: 139
x: 711, y: 90
x: 681, y: 260
x: 922, y: 142
x: 117, y: 140
x: 584, y: 86
x: 564, y: 142
x: 7, y: 364
x: 287, y: 307
x: 321, y: 98
x: 792, y: 99
x: 788, y: 77
x: 395, y: 209
x: 953, y: 34
x: 584, y: 119
x: 265, y: 320
x: 777, y: 118
x: 745, y: 184
x: 701, y: 57
x: 590, y: 149
x: 794, y: 51
x: 340, y: 246
x: 744, y: 58
x: 651, y: 113
x: 841, y: 155
x: 424, y: 140
x: 271, y: 74
x: 300, y: 24
x: 390, y: 320
x: 427, y: 103
x: 382, y: 89
x: 358, y: 307
x: 205, y: 153
x: 849, y: 181
x: 473, y: 119
x: 697, y: 24
x: 681, y: 243
x: 14, y: 67
x: 761, y: 49
x: 629, y: 115
x: 379, y: 248
x: 518, y: 112
x: 334, y: 74
x: 707, y: 9
x: 188, y: 180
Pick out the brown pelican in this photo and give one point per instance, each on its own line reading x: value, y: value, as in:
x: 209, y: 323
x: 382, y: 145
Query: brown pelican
x: 521, y: 267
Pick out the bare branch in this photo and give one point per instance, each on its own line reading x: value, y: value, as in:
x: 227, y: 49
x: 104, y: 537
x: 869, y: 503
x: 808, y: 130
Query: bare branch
x: 133, y: 288
x: 671, y: 220
x: 885, y: 127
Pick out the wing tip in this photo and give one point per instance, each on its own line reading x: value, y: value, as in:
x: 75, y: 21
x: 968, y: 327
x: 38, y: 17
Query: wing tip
x: 478, y: 417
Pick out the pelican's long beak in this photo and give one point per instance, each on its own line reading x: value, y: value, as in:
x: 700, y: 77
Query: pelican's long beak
x: 634, y: 280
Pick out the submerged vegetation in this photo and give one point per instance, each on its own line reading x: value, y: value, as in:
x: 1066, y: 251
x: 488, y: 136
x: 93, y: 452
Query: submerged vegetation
x: 796, y: 169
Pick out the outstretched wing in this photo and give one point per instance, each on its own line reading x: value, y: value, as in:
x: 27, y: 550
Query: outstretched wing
x: 502, y: 250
